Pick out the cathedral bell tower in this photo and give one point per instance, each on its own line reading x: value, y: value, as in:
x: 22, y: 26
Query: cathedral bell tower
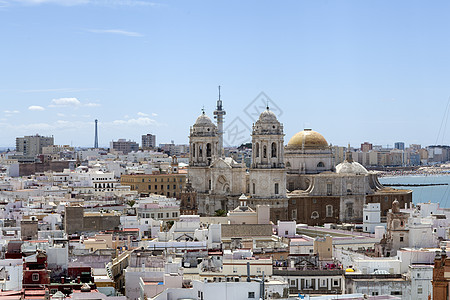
x: 267, y: 172
x: 203, y: 142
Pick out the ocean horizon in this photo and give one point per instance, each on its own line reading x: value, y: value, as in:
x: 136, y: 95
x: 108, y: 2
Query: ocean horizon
x: 422, y: 194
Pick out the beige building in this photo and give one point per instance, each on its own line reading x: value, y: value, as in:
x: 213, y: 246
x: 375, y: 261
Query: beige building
x: 32, y: 145
x: 170, y: 185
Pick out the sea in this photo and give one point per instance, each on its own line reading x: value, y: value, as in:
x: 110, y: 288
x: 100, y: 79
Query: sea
x: 421, y: 194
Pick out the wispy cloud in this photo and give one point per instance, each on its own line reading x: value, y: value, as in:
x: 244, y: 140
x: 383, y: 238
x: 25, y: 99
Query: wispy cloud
x: 142, y: 114
x: 11, y: 112
x: 71, y: 102
x: 142, y: 121
x: 36, y: 108
x: 91, y: 104
x: 65, y: 102
x: 49, y: 127
x: 117, y: 31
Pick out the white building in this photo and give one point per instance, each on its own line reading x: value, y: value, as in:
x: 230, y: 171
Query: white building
x: 371, y: 217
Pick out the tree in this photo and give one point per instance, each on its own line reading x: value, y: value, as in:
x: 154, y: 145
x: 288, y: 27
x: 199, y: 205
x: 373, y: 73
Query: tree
x: 221, y: 213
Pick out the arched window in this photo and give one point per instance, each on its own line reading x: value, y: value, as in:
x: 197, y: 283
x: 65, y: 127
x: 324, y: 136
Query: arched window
x: 257, y: 150
x: 320, y: 165
x: 329, y: 210
x: 200, y: 151
x: 274, y: 150
x: 288, y: 165
x: 349, y: 210
x: 254, y: 188
x: 264, y: 151
x: 276, y: 189
x: 193, y: 150
x: 349, y: 188
x: 208, y: 150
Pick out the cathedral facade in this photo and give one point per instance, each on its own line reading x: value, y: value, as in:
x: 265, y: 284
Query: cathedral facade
x: 298, y: 181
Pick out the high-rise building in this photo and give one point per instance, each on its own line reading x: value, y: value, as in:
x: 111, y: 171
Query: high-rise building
x: 148, y: 141
x: 366, y: 147
x: 399, y: 145
x: 32, y: 145
x: 124, y: 146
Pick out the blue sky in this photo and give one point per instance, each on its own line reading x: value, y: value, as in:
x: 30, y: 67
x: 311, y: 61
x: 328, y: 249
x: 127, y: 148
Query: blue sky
x: 355, y: 71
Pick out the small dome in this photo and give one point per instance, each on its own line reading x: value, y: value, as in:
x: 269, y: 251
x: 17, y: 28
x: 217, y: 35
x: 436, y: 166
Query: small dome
x: 308, y: 139
x: 349, y: 270
x: 267, y: 116
x: 346, y: 167
x: 203, y: 120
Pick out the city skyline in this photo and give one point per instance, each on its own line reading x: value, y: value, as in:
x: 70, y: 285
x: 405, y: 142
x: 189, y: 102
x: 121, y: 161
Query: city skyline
x: 352, y: 71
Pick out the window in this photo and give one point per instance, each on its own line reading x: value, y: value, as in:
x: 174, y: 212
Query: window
x: 396, y: 292
x: 276, y: 189
x: 156, y: 187
x: 329, y: 189
x: 149, y: 186
x: 320, y: 165
x: 208, y: 150
x: 254, y: 188
x: 419, y: 290
x: 293, y: 282
x: 401, y: 239
x: 329, y: 209
x: 264, y: 151
x: 349, y: 188
x: 257, y: 150
x: 336, y: 282
x: 294, y: 214
x: 274, y: 150
x: 374, y: 293
x: 251, y: 295
x: 314, y: 215
x: 349, y: 210
x: 35, y: 277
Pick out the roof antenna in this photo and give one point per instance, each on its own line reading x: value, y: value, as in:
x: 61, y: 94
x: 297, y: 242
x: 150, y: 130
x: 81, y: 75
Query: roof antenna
x: 219, y: 92
x: 267, y: 104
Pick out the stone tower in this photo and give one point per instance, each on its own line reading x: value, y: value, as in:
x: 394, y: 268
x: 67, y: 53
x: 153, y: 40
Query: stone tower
x: 219, y: 113
x: 267, y: 172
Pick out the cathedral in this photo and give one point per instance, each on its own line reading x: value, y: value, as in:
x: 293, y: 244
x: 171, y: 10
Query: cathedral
x: 298, y: 181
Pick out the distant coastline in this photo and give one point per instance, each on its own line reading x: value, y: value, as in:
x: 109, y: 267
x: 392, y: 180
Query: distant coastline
x: 442, y: 170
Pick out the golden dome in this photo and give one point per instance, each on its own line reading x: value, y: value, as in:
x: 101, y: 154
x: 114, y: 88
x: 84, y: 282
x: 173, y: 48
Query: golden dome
x: 307, y: 139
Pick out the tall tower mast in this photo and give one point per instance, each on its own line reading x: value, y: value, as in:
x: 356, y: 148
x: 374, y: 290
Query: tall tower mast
x: 218, y: 115
x: 96, y: 135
